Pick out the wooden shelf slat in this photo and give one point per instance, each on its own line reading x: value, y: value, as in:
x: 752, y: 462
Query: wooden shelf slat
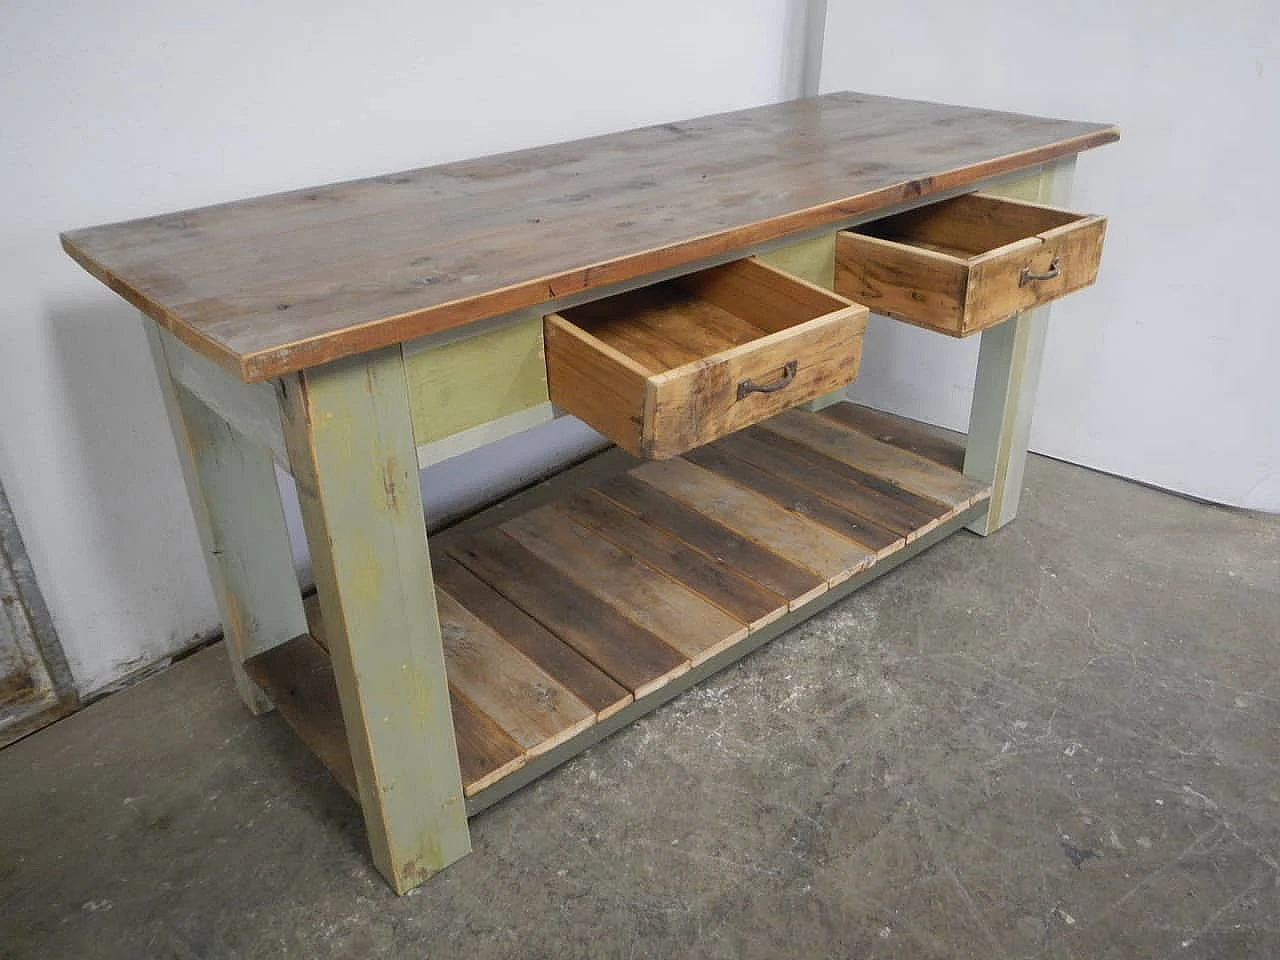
x: 899, y: 432
x: 575, y: 672
x: 796, y: 498
x: 486, y: 752
x: 710, y: 577
x: 802, y: 541
x: 631, y: 655
x: 500, y: 681
x: 298, y: 678
x: 769, y: 569
x: 562, y: 614
x: 898, y: 466
x: 684, y: 620
x: 880, y: 501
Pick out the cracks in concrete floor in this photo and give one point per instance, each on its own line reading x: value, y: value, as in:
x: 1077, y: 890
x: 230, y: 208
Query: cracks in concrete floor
x: 906, y: 775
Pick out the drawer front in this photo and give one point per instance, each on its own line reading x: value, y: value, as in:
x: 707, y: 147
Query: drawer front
x: 968, y: 263
x: 689, y: 407
x: 661, y: 370
x: 1056, y: 263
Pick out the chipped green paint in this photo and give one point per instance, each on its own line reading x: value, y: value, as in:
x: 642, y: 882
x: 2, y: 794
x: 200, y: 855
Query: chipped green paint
x: 231, y: 482
x: 813, y: 260
x: 1029, y: 187
x: 476, y: 379
x: 254, y: 411
x: 350, y: 438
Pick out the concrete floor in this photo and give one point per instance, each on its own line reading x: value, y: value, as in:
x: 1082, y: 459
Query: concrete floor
x: 1063, y: 741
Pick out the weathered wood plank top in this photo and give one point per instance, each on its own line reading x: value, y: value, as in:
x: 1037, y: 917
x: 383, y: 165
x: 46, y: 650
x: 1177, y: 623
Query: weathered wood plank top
x: 284, y: 282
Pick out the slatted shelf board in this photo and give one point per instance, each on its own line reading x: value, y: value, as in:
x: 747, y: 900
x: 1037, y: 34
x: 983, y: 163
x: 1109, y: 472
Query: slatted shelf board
x: 562, y: 619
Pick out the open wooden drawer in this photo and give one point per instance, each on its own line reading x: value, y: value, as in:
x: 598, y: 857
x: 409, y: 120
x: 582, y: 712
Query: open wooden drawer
x: 669, y: 367
x: 964, y: 264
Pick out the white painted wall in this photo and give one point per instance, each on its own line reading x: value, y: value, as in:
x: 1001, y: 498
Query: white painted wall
x: 118, y: 110
x: 1166, y: 370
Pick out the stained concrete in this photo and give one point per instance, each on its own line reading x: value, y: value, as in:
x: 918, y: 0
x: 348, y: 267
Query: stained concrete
x: 1059, y: 742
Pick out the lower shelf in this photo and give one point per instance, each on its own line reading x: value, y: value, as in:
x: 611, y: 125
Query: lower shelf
x: 568, y: 613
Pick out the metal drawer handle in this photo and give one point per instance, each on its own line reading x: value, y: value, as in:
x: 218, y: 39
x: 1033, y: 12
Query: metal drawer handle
x: 750, y: 386
x: 1027, y: 276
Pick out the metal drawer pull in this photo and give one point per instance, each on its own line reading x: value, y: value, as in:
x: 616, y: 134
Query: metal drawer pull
x: 788, y: 374
x: 1027, y: 276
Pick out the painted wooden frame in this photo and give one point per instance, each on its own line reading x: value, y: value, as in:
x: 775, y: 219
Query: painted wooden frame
x: 253, y: 409
x: 231, y: 483
x: 353, y: 434
x: 349, y: 433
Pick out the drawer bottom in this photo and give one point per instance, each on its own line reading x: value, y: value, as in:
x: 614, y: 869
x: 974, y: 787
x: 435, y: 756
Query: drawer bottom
x: 569, y: 612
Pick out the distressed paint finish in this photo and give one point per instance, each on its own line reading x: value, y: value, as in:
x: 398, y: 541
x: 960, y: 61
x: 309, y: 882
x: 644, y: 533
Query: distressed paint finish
x: 813, y: 260
x: 1009, y: 360
x: 253, y: 410
x: 1029, y: 187
x: 475, y: 379
x: 486, y: 433
x: 231, y: 482
x: 350, y: 439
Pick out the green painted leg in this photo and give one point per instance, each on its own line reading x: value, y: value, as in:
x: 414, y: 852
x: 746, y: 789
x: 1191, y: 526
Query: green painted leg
x: 350, y: 442
x: 1004, y: 393
x: 1000, y: 421
x: 232, y: 485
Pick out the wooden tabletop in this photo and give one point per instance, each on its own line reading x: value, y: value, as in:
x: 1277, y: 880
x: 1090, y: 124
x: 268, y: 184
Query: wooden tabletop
x: 284, y: 282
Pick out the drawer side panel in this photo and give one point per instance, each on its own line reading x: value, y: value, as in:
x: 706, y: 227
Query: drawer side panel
x: 905, y: 283
x: 584, y: 379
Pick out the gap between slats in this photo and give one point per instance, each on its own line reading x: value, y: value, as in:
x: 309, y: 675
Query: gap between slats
x: 562, y: 615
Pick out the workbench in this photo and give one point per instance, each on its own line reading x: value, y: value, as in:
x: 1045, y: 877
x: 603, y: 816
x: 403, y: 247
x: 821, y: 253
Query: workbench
x: 697, y: 292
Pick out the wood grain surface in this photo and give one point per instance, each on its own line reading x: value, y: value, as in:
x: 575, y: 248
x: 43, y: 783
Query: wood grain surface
x: 697, y: 340
x: 899, y: 467
x: 280, y: 283
x: 920, y: 438
x: 879, y: 503
x: 741, y: 597
x: 578, y: 674
x: 712, y: 538
x: 806, y: 543
x: 632, y: 655
x: 960, y: 266
x: 298, y: 677
x: 522, y: 698
x: 786, y: 492
x: 553, y: 613
x: 685, y: 621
